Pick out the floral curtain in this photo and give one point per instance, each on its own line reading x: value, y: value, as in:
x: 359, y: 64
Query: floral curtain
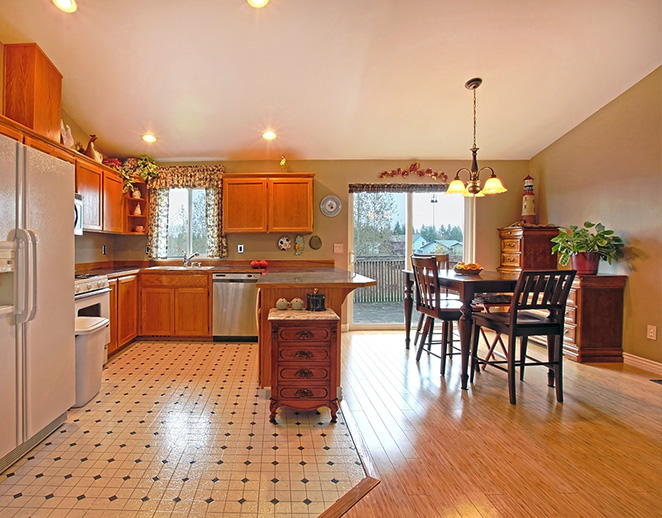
x: 208, y: 177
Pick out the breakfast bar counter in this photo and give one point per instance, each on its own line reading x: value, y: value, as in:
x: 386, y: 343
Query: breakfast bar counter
x: 334, y: 283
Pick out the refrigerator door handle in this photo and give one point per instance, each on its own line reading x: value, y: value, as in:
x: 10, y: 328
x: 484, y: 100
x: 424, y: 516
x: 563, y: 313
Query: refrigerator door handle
x: 33, y: 273
x: 26, y: 301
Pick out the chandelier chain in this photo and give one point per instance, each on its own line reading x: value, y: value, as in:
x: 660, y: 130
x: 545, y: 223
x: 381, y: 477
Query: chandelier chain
x: 474, y: 117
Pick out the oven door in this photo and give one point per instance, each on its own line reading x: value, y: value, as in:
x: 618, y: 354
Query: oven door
x: 78, y: 215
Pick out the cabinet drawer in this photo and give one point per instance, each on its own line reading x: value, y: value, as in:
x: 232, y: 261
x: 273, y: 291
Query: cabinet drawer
x: 569, y: 334
x: 304, y: 392
x: 510, y: 259
x: 571, y: 314
x: 510, y: 233
x: 299, y: 372
x: 304, y: 334
x: 510, y: 245
x: 303, y: 354
x: 189, y: 280
x: 572, y: 297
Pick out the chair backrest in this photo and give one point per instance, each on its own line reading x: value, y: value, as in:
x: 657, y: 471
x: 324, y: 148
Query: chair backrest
x: 542, y: 290
x: 426, y: 280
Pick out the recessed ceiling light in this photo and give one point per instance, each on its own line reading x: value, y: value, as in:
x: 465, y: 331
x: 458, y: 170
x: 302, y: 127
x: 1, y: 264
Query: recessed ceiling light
x: 268, y: 135
x: 148, y: 137
x: 68, y: 6
x: 258, y: 3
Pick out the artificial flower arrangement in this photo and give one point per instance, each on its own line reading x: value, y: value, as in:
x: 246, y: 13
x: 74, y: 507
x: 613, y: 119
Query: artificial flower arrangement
x: 415, y: 170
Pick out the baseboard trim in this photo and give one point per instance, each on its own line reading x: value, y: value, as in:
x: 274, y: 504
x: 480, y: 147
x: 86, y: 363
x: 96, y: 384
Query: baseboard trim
x: 642, y: 363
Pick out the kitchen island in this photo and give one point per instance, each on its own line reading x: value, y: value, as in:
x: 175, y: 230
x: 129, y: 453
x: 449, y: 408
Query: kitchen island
x: 334, y: 283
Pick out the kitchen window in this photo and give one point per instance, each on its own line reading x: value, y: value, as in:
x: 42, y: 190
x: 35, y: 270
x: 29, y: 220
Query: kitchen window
x: 187, y: 225
x: 185, y: 212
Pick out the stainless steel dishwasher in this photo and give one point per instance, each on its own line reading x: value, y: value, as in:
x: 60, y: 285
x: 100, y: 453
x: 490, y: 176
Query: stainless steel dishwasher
x: 234, y: 306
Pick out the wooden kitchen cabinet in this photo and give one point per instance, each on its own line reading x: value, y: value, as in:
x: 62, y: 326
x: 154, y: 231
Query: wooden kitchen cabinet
x: 113, y: 201
x: 263, y: 202
x: 32, y: 93
x: 103, y: 199
x: 127, y: 309
x: 123, y: 311
x: 175, y: 304
x: 113, y: 345
x: 304, y: 362
x: 89, y: 184
x: 526, y: 247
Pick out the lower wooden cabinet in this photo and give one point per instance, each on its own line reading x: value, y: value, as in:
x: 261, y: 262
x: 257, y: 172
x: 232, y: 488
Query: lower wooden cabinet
x: 305, y: 360
x: 123, y: 311
x: 175, y: 304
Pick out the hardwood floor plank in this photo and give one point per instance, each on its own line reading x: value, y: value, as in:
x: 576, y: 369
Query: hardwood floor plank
x: 442, y: 451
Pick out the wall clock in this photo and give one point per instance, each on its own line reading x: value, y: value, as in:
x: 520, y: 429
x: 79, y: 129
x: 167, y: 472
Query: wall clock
x: 330, y: 206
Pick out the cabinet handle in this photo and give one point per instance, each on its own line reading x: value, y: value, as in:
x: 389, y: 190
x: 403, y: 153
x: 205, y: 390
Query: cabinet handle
x: 303, y: 355
x: 304, y: 334
x: 510, y: 244
x: 304, y: 393
x: 303, y: 374
x: 511, y: 259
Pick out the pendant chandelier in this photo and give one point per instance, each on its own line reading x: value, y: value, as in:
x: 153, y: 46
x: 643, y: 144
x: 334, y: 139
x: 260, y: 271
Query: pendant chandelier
x: 473, y: 188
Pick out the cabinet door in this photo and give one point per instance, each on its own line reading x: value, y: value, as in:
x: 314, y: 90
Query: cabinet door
x: 157, y: 311
x: 112, y: 203
x: 127, y: 309
x: 192, y: 312
x: 113, y: 345
x: 244, y: 205
x: 291, y: 205
x: 89, y: 182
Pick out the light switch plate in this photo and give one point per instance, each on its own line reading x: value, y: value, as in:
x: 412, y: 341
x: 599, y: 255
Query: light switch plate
x: 338, y: 248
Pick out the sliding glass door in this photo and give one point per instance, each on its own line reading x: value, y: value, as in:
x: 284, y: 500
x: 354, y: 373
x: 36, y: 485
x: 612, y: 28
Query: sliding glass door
x: 387, y: 228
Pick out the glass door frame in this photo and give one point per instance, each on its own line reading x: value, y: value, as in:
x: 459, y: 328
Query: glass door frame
x: 468, y: 252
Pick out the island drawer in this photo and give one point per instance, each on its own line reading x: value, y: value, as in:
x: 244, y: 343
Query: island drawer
x: 299, y: 372
x: 303, y: 392
x: 304, y: 353
x: 308, y: 334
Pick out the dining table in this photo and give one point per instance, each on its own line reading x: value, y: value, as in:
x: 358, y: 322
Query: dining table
x: 467, y: 287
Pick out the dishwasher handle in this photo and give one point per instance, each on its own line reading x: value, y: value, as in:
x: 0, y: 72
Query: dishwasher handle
x: 235, y: 277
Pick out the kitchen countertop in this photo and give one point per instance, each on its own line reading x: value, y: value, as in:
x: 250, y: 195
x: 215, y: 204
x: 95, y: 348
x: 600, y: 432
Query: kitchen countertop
x: 314, y: 278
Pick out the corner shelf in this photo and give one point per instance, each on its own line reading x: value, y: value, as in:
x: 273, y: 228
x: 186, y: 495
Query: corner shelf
x: 133, y: 220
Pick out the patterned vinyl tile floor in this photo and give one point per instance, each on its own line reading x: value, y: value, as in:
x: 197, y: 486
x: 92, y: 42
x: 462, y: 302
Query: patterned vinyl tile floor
x: 182, y: 430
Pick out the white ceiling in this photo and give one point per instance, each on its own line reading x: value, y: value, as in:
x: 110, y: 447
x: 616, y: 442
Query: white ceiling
x: 338, y: 79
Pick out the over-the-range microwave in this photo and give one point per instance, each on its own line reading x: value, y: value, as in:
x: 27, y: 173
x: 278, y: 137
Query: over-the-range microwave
x: 78, y: 214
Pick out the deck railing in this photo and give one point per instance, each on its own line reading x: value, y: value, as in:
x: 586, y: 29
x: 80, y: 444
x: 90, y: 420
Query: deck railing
x: 387, y: 271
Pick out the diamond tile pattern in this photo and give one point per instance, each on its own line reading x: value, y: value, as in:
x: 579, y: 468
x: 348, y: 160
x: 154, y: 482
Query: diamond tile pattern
x: 182, y: 429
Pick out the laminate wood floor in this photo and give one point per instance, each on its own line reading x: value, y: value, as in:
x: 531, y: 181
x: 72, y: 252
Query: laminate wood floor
x: 440, y: 451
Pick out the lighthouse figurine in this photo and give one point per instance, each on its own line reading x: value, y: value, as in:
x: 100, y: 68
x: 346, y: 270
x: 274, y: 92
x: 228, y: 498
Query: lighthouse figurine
x: 528, y: 203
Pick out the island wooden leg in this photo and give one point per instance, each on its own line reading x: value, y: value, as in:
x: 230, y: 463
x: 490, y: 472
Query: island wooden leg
x: 466, y: 321
x: 408, y: 303
x: 333, y: 406
x: 273, y: 407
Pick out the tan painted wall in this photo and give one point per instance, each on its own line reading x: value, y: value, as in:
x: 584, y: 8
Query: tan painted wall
x: 609, y: 169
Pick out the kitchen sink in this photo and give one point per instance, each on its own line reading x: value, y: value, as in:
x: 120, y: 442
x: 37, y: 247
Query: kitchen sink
x: 181, y: 268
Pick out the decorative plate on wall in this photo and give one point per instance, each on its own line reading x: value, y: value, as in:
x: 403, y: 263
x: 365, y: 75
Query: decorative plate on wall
x: 284, y: 243
x: 315, y: 242
x: 330, y: 206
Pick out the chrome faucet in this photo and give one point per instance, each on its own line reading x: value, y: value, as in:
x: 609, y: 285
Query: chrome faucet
x: 187, y: 260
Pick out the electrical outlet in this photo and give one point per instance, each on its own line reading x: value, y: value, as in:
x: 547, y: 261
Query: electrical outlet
x: 338, y: 248
x: 651, y: 332
x: 240, y: 249
x: 146, y: 249
x: 103, y: 249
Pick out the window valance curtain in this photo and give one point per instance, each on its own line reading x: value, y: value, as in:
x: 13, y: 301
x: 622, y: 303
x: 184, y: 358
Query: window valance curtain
x: 208, y: 177
x: 397, y: 187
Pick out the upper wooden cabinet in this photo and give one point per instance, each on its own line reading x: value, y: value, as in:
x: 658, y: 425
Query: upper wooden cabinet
x: 89, y: 184
x: 103, y: 199
x: 263, y: 202
x: 32, y: 93
x: 113, y: 202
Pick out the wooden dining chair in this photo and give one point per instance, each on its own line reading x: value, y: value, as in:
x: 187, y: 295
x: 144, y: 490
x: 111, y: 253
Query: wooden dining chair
x: 431, y: 302
x: 537, y: 308
x: 443, y: 263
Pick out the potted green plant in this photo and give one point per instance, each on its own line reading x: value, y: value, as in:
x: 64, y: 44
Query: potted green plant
x: 143, y: 167
x: 585, y: 246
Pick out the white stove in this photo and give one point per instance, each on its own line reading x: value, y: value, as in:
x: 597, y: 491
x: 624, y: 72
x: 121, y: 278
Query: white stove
x: 87, y: 283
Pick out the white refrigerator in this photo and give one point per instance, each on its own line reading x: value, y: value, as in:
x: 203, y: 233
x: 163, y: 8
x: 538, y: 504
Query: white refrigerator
x: 37, y: 342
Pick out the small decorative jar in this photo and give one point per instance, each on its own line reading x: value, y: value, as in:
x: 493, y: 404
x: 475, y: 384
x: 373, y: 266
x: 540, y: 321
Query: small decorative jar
x: 136, y: 194
x: 281, y: 304
x: 297, y: 303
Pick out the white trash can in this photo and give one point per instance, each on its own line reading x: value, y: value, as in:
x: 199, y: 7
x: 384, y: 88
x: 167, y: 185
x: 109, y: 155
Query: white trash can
x: 92, y: 335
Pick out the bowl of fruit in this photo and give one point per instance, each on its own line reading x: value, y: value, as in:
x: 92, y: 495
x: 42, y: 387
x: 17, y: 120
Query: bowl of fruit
x: 463, y: 268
